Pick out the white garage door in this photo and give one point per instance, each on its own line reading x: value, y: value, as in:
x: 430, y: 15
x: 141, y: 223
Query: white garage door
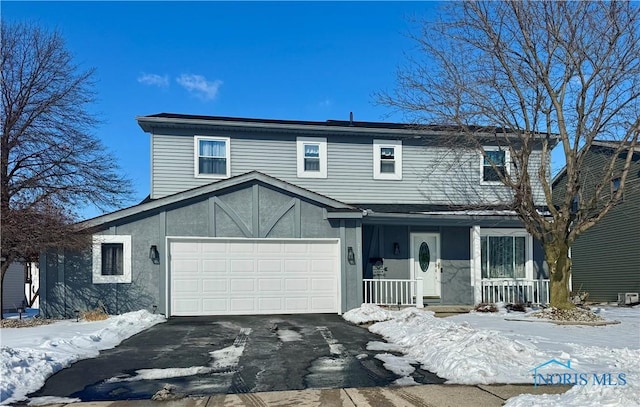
x: 241, y: 276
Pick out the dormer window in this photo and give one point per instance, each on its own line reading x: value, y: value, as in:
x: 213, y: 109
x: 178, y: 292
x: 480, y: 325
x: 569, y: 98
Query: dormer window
x: 212, y: 157
x: 312, y: 157
x: 387, y: 159
x: 494, y: 165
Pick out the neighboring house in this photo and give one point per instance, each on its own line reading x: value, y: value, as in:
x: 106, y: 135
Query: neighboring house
x: 605, y: 258
x: 17, y: 281
x: 251, y: 216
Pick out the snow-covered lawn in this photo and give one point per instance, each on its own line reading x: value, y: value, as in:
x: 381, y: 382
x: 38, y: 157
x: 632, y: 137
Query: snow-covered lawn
x: 484, y: 348
x: 28, y: 356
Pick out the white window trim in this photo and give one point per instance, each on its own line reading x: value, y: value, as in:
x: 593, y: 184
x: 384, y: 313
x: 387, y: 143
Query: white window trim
x: 98, y: 240
x: 397, y: 146
x: 528, y: 255
x: 507, y: 164
x: 196, y: 156
x: 322, y: 143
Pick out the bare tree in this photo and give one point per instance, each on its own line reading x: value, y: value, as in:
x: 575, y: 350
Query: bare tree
x: 50, y: 163
x: 537, y: 72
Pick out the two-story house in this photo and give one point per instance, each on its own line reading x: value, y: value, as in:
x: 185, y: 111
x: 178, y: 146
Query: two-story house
x: 253, y: 216
x: 605, y: 258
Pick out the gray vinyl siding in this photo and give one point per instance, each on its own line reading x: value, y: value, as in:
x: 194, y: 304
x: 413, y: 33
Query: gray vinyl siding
x: 606, y: 258
x: 431, y: 175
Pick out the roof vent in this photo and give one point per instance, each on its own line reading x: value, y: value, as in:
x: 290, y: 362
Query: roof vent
x: 350, y: 118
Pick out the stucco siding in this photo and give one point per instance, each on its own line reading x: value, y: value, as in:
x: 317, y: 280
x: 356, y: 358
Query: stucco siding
x: 431, y: 174
x: 66, y: 278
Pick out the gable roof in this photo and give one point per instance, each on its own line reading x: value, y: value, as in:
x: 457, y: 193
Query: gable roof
x: 604, y: 144
x: 336, y: 207
x: 173, y: 120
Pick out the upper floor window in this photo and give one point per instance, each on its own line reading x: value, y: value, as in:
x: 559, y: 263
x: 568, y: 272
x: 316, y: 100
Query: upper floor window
x: 111, y: 259
x: 312, y: 157
x: 387, y: 159
x: 494, y: 156
x: 212, y: 157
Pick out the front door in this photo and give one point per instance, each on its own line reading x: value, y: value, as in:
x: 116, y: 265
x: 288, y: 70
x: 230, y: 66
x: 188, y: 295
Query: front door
x: 425, y: 261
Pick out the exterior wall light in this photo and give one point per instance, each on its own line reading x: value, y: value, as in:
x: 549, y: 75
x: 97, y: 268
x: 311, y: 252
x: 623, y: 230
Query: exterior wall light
x: 396, y: 248
x: 154, y: 254
x: 351, y: 257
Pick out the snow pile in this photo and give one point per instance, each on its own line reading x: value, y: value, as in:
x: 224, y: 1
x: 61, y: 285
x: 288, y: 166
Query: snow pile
x: 458, y: 352
x: 626, y: 361
x: 28, y: 356
x: 483, y: 348
x: 368, y: 313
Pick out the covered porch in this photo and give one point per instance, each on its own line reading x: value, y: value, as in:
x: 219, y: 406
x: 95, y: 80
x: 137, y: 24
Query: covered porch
x: 451, y: 258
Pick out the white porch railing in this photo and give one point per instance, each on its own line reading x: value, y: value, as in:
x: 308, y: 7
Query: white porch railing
x: 382, y: 291
x: 518, y: 290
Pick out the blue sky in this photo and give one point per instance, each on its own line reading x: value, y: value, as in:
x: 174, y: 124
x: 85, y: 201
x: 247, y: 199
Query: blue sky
x: 284, y: 60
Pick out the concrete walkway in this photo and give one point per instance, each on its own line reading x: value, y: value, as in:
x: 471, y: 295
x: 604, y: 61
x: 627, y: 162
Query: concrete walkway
x: 432, y: 395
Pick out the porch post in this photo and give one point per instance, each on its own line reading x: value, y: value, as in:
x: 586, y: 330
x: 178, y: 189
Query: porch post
x: 476, y: 265
x: 419, y: 291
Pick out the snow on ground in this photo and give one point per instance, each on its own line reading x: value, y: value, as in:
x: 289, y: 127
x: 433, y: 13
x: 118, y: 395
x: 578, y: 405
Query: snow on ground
x: 288, y: 335
x: 28, y: 356
x: 484, y: 348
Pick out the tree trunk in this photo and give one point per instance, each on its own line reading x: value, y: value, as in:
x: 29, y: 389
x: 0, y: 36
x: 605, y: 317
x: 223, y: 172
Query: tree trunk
x: 3, y: 270
x: 557, y: 256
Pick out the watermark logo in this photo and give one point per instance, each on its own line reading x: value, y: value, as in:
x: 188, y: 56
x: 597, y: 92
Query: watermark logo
x: 555, y: 372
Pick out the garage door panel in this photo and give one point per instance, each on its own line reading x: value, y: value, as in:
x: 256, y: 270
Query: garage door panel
x: 233, y: 276
x: 296, y: 266
x: 183, y: 266
x: 215, y: 306
x: 269, y: 266
x: 243, y: 304
x: 300, y: 248
x: 270, y: 284
x: 242, y: 285
x: 241, y: 247
x: 242, y: 266
x: 214, y: 266
x: 323, y: 303
x: 210, y: 250
x: 187, y: 306
x: 187, y: 286
x: 296, y: 284
x: 270, y: 248
x: 214, y: 286
x: 178, y: 248
x: 296, y: 304
x: 323, y: 284
x: 323, y: 266
x: 271, y: 305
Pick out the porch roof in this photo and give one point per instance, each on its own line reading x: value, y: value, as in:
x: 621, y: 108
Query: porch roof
x: 433, y: 215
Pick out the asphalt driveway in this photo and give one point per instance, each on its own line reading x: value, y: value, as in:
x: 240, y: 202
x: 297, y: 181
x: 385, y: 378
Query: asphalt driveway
x: 235, y: 354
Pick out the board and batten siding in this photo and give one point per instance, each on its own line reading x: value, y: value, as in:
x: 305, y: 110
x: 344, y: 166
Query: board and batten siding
x: 431, y: 175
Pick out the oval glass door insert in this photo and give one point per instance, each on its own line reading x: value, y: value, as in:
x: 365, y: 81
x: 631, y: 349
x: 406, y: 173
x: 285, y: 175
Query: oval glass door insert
x: 424, y: 256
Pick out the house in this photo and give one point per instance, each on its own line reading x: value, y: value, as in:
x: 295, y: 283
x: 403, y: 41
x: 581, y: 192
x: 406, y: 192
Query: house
x: 20, y: 286
x: 605, y: 258
x: 255, y: 216
x: 13, y: 287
